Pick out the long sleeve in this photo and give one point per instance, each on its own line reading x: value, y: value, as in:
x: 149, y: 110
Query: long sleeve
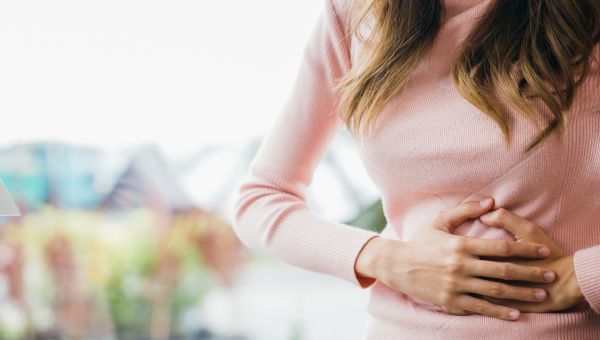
x: 271, y: 211
x: 587, y: 271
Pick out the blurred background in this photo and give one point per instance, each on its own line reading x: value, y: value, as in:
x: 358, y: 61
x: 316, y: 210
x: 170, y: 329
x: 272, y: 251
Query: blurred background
x: 127, y: 127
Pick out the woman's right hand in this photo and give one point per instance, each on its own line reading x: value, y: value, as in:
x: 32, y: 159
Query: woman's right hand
x: 444, y: 269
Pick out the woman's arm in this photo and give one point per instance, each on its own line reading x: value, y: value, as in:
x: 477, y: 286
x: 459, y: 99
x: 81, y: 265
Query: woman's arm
x: 271, y: 212
x: 440, y: 268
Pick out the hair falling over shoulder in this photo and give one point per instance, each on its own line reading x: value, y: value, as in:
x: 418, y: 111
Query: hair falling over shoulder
x: 549, y: 43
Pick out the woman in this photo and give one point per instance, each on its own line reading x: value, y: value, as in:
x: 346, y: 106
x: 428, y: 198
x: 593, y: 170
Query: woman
x: 464, y: 100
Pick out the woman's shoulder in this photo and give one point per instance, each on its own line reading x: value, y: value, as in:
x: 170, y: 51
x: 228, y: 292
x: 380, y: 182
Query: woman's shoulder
x: 343, y: 10
x: 343, y: 6
x: 346, y: 12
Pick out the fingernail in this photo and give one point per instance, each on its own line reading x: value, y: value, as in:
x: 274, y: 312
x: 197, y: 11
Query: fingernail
x: 549, y: 276
x: 514, y: 314
x: 485, y: 202
x: 540, y: 294
x: 544, y: 251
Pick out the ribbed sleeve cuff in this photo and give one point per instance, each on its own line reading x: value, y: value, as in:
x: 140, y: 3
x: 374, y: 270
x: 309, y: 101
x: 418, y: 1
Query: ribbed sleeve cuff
x: 364, y: 282
x: 321, y: 245
x: 587, y: 270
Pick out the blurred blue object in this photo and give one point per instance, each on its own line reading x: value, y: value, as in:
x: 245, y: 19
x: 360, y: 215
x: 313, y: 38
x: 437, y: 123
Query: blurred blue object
x: 66, y: 176
x: 54, y: 173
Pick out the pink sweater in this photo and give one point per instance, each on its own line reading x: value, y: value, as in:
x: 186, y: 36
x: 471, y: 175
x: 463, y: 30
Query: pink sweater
x: 431, y: 150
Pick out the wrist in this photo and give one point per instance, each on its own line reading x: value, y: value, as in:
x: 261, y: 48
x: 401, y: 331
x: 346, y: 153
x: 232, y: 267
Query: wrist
x: 369, y: 259
x: 576, y: 292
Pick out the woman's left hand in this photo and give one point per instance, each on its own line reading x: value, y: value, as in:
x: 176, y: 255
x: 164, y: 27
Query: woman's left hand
x: 564, y: 292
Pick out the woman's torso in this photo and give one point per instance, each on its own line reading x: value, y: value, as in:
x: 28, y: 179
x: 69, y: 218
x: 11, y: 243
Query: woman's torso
x: 431, y: 149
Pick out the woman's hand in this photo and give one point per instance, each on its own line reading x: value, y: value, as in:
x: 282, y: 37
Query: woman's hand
x: 444, y: 269
x: 564, y: 292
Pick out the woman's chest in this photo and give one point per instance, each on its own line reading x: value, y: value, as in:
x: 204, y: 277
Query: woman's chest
x: 431, y: 140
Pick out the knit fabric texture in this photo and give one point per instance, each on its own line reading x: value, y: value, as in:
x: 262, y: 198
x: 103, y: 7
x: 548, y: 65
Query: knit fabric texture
x: 431, y: 149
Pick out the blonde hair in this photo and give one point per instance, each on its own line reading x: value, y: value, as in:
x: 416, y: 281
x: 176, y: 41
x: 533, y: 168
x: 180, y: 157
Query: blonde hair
x: 548, y: 42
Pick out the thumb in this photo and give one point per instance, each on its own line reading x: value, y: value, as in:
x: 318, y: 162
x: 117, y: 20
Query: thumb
x: 522, y: 228
x: 448, y: 219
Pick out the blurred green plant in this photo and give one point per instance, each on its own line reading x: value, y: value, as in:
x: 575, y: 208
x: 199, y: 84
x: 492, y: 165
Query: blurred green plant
x: 370, y: 218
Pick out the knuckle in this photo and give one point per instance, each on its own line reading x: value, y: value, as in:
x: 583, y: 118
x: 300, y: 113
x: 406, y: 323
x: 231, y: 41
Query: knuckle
x: 465, y: 205
x: 498, y: 313
x: 504, y: 247
x: 500, y: 214
x: 505, y: 271
x: 529, y: 294
x: 450, y: 284
x: 446, y: 298
x: 496, y: 291
x: 480, y: 307
x: 460, y: 244
x: 455, y: 265
x: 470, y: 207
x: 537, y: 273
